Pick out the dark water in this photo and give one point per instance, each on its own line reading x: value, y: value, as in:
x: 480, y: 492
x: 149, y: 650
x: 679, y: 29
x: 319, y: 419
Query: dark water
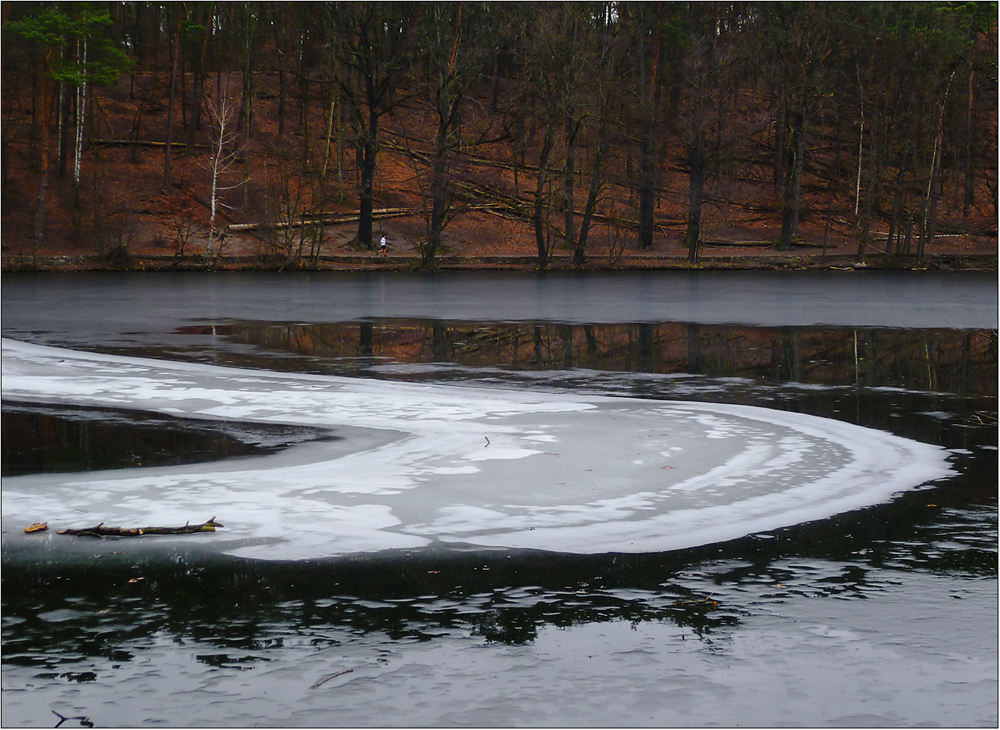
x: 885, y: 616
x: 39, y: 439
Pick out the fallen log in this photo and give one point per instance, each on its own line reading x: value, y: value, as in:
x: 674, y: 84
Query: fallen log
x: 101, y: 531
x: 145, y: 143
x: 323, y: 220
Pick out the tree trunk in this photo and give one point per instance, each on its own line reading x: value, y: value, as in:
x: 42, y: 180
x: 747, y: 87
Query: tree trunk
x: 696, y: 197
x: 780, y: 153
x: 970, y: 137
x: 95, y: 180
x: 861, y: 149
x: 304, y: 110
x: 282, y: 105
x: 568, y: 178
x: 439, y: 197
x: 580, y: 250
x: 329, y: 135
x: 896, y: 220
x: 81, y: 115
x: 543, y: 159
x: 647, y: 137
x: 63, y: 108
x: 46, y: 92
x: 283, y: 86
x: 448, y: 99
x: 247, y: 111
x: 647, y: 184
x: 865, y: 236
x: 696, y: 176
x: 928, y: 221
x: 838, y: 153
x: 793, y: 181
x: 199, y: 79
x: 873, y: 180
x: 173, y: 94
x: 495, y: 95
x: 366, y: 194
x: 867, y: 216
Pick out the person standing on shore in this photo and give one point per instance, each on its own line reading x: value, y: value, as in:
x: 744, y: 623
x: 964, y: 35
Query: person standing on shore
x: 381, y: 246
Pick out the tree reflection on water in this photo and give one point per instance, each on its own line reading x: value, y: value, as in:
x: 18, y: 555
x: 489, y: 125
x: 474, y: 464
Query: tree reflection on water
x: 937, y: 386
x: 955, y: 361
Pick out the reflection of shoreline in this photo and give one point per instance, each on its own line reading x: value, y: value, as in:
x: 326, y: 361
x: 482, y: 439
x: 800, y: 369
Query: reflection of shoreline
x: 103, y: 309
x: 486, y: 467
x: 947, y: 360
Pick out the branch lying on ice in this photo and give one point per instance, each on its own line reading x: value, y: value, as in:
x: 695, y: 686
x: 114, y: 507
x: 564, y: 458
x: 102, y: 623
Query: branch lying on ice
x: 101, y: 531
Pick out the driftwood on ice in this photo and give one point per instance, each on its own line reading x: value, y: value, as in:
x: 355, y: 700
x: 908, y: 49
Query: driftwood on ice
x: 101, y: 531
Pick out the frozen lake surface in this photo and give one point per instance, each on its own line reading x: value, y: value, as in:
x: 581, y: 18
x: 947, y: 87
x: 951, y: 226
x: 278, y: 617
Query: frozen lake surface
x: 640, y: 500
x: 107, y: 308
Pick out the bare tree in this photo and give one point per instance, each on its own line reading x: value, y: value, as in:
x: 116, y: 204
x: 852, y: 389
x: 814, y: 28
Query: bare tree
x: 223, y: 135
x: 175, y: 56
x: 446, y: 22
x: 800, y: 37
x: 289, y: 197
x: 372, y: 41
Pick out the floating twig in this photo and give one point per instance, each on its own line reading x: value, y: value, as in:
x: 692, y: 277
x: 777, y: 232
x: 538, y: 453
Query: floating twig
x: 328, y: 677
x: 707, y: 601
x: 84, y: 721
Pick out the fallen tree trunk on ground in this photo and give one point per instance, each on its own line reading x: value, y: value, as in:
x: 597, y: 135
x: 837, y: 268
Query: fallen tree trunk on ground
x: 101, y: 531
x: 322, y: 220
x: 146, y: 143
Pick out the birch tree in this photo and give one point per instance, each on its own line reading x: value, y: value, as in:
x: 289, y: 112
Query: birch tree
x: 93, y: 59
x: 225, y: 154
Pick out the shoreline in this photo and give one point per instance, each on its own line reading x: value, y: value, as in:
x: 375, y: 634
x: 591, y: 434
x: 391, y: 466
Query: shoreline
x: 559, y: 261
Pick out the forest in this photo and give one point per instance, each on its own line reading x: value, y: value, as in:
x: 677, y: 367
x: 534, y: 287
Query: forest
x: 200, y: 127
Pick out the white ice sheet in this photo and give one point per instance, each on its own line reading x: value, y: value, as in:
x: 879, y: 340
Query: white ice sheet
x: 425, y: 465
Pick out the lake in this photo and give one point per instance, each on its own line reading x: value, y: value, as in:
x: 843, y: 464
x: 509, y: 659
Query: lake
x: 637, y: 498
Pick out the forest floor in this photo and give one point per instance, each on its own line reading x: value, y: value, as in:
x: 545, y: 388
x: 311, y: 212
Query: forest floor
x: 482, y: 241
x: 141, y: 229
x: 734, y: 238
